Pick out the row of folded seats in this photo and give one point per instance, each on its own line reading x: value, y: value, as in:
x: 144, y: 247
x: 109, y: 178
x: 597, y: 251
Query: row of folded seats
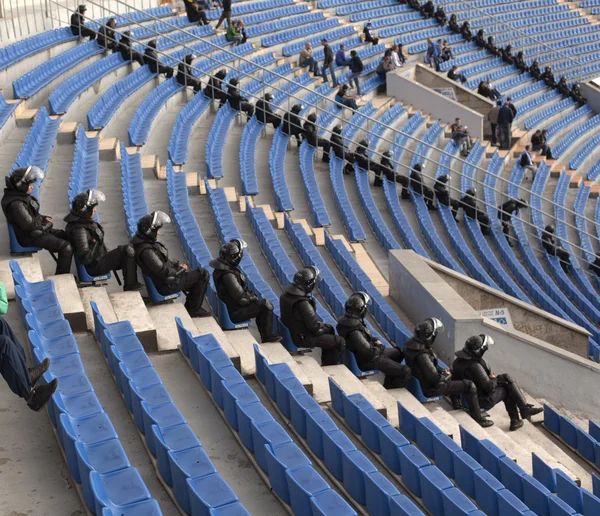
x: 291, y: 474
x: 95, y: 457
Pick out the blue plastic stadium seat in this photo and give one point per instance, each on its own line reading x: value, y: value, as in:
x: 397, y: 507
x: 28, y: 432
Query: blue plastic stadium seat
x: 591, y: 503
x: 85, y: 277
x: 15, y: 247
x: 336, y: 445
x: 304, y: 482
x: 330, y: 503
x: 402, y: 506
x: 118, y: 488
x: 282, y: 372
x: 219, y: 375
x: 568, y: 431
x: 241, y: 394
x: 391, y: 440
x: 411, y: 461
x: 355, y: 468
x: 558, y: 507
x: 155, y: 295
x: 543, y: 472
x: 535, y: 496
x: 569, y: 492
x: 510, y: 505
x: 487, y: 488
x: 270, y: 433
x: 225, y: 321
x: 465, y: 468
x: 145, y: 508
x: 433, y: 483
x: 426, y: 430
x: 190, y: 463
x: 209, y: 493
x: 153, y: 396
x: 163, y: 416
x: 54, y: 348
x: 379, y: 492
x: 248, y: 416
x: 444, y: 449
x: 318, y: 424
x: 372, y: 425
x: 489, y: 457
x: 408, y: 422
x: 174, y: 439
x: 302, y: 404
x: 455, y: 503
x: 280, y: 458
x: 285, y: 388
x: 511, y: 476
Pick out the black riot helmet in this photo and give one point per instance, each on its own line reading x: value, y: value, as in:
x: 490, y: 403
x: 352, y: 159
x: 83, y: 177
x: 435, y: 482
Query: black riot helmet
x: 418, y: 167
x: 189, y: 58
x: 477, y: 345
x: 22, y: 177
x: 84, y: 203
x: 296, y: 108
x: 471, y: 192
x: 426, y: 331
x: 221, y: 74
x: 232, y: 252
x: 444, y: 179
x: 148, y: 225
x: 306, y: 279
x: 112, y: 22
x: 152, y: 44
x: 312, y: 117
x: 82, y: 8
x: 268, y: 97
x: 387, y: 154
x: 234, y: 82
x: 356, y: 305
x: 337, y: 129
x: 549, y: 228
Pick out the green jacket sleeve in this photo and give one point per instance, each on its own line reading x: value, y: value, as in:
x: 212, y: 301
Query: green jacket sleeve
x: 3, y: 299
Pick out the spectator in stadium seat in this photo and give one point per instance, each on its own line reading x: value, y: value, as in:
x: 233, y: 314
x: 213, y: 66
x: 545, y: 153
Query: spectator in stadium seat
x: 236, y: 100
x: 153, y: 62
x: 185, y: 75
x: 427, y: 9
x: 505, y: 213
x: 483, y: 90
x: 292, y: 125
x: 22, y: 381
x: 493, y: 120
x: 387, y: 169
x: 520, y: 62
x: 577, y: 95
x: 454, y: 75
x: 548, y: 77
x: 505, y: 120
x: 214, y: 87
x: 491, y: 46
x: 342, y: 97
x: 127, y: 53
x: 369, y: 351
x: 106, y: 35
x: 368, y: 34
x: 465, y: 30
x: 397, y: 56
x: 495, y: 94
x: 264, y: 111
x: 440, y: 15
x: 507, y: 56
x: 538, y: 143
x: 196, y: 11
x: 534, y: 70
x: 242, y: 30
x: 461, y: 137
x: 480, y: 39
x: 491, y: 388
x: 311, y: 133
x: 340, y: 56
x: 453, y: 24
x: 414, y: 4
x: 328, y: 63
x: 555, y: 249
x: 306, y: 59
x: 563, y: 87
x: 434, y: 379
x: 418, y: 186
x: 468, y: 203
x: 232, y: 34
x: 526, y: 161
x: 447, y: 52
x: 225, y: 15
x: 78, y: 26
x: 339, y: 148
x: 356, y: 69
x: 442, y: 194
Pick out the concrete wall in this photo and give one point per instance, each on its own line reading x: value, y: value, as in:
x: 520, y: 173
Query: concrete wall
x: 592, y: 93
x: 542, y: 369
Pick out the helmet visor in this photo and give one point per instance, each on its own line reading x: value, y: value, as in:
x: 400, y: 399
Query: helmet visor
x: 366, y: 297
x: 487, y: 342
x: 315, y: 271
x: 95, y: 197
x: 438, y: 325
x: 240, y: 243
x: 160, y: 218
x: 31, y: 175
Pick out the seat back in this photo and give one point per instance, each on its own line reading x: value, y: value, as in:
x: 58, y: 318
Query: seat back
x: 155, y: 295
x: 15, y: 246
x: 85, y: 277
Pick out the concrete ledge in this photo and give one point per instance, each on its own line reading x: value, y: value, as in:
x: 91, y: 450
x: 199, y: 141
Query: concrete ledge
x: 129, y: 306
x: 211, y: 182
x: 208, y: 325
x: 100, y: 296
x: 275, y: 353
x: 67, y: 132
x: 163, y: 316
x: 317, y: 376
x: 110, y: 149
x: 26, y: 117
x: 31, y: 269
x: 69, y: 300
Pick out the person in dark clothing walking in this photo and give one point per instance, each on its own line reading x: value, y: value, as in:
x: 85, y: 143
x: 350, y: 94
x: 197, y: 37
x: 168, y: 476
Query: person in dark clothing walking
x: 442, y: 194
x: 126, y: 51
x: 469, y: 365
x: 299, y: 315
x: 387, y: 169
x: 185, y: 74
x: 434, y: 379
x: 237, y: 101
x: 169, y: 276
x: 241, y: 302
x: 505, y: 120
x: 356, y: 69
x: 369, y: 351
x: 214, y: 87
x: 328, y: 63
x: 505, y: 213
x: 368, y: 34
x: 554, y: 249
x: 418, y: 186
x: 311, y: 134
x: 78, y: 26
x: 225, y: 15
x: 264, y: 111
x: 468, y: 202
x: 153, y: 62
x: 339, y: 148
x: 32, y: 229
x: 87, y: 240
x: 196, y: 11
x: 292, y: 125
x: 23, y: 381
x: 106, y: 35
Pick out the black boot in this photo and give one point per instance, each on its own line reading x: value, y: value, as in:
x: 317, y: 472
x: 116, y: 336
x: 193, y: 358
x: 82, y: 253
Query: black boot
x: 513, y: 412
x: 264, y: 321
x: 40, y: 395
x: 36, y: 372
x: 476, y: 414
x: 135, y: 286
x: 529, y: 410
x: 199, y: 312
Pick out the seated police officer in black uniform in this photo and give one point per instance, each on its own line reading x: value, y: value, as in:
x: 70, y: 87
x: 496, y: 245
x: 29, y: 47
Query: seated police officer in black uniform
x: 417, y: 183
x: 127, y: 53
x: 242, y: 304
x: 298, y: 313
x: 106, y: 35
x: 491, y: 388
x: 442, y: 194
x: 214, y: 87
x: 387, y: 169
x: 369, y: 351
x: 554, y: 248
x: 185, y: 75
x: 434, y: 380
x: 32, y: 229
x: 237, y: 101
x: 361, y: 158
x: 292, y: 125
x: 336, y: 144
x: 311, y: 133
x: 78, y: 26
x: 264, y: 111
x: 153, y: 62
x: 468, y: 203
x: 505, y: 213
x: 87, y: 240
x: 168, y: 276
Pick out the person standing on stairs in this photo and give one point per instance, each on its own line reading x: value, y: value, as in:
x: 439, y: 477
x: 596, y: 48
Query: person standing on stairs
x: 225, y: 15
x: 505, y: 120
x: 298, y: 313
x: 418, y: 186
x: 169, y: 276
x: 22, y: 381
x: 106, y: 35
x: 434, y: 379
x: 339, y: 148
x: 127, y: 53
x: 151, y: 59
x: 505, y: 213
x: 468, y: 203
x: 185, y: 75
x: 442, y: 194
x: 369, y: 351
x: 241, y: 302
x: 264, y: 111
x: 469, y: 365
x: 492, y: 117
x: 87, y: 240
x: 328, y: 63
x: 78, y: 26
x: 292, y: 125
x: 554, y: 249
x: 32, y: 229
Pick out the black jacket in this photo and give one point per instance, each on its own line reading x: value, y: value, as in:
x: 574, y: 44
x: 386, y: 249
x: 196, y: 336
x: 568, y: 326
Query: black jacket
x: 125, y: 47
x: 234, y: 98
x: 507, y: 210
x: 424, y: 366
x: 469, y: 206
x: 214, y: 85
x: 359, y: 341
x: 299, y: 315
x: 310, y: 133
x: 442, y: 192
x: 22, y: 211
x: 153, y: 258
x: 327, y: 55
x: 77, y: 21
x: 466, y: 367
x: 184, y: 74
x: 387, y: 168
x: 151, y: 59
x: 363, y: 161
x: 356, y: 65
x: 505, y: 115
x: 263, y: 109
x: 86, y: 237
x: 292, y: 124
x: 227, y: 5
x: 549, y: 243
x: 230, y: 283
x: 106, y: 37
x: 337, y: 145
x: 416, y: 182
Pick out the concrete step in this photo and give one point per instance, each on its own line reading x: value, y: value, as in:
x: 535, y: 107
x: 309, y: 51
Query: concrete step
x: 69, y: 300
x: 208, y: 325
x: 275, y: 353
x: 318, y: 377
x: 163, y: 316
x: 350, y: 384
x: 31, y: 269
x: 129, y: 306
x: 100, y: 296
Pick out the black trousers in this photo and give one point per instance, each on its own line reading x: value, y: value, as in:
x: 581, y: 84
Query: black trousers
x: 225, y: 15
x: 13, y: 365
x: 427, y: 194
x: 390, y: 364
x: 192, y: 82
x: 198, y: 16
x: 494, y: 139
x: 453, y: 203
x: 84, y: 32
x: 133, y: 56
x: 115, y: 260
x: 193, y: 284
x: 262, y: 311
x: 247, y: 108
x: 484, y: 222
x: 332, y: 346
x: 54, y: 241
x: 508, y: 392
x: 272, y: 119
x: 167, y: 70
